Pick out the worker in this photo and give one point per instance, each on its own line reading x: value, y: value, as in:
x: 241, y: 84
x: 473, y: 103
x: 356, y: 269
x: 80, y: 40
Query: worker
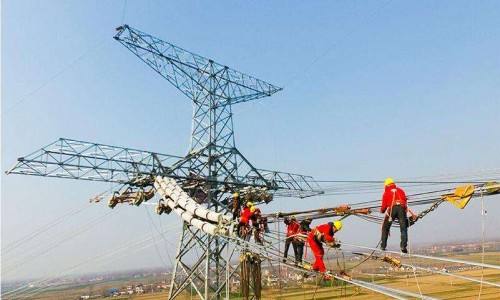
x: 394, y: 206
x: 322, y: 234
x: 292, y: 229
x: 244, y: 223
x: 236, y: 205
x: 300, y: 239
x: 259, y: 224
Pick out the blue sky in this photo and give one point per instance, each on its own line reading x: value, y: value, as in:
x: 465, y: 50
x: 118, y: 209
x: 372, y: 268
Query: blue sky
x: 371, y: 89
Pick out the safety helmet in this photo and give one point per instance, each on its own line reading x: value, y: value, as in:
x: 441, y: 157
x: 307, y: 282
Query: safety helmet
x: 388, y: 181
x: 293, y: 218
x: 250, y: 204
x: 236, y: 195
x: 337, y: 224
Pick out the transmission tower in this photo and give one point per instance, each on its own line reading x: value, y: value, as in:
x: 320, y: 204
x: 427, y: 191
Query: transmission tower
x: 213, y: 162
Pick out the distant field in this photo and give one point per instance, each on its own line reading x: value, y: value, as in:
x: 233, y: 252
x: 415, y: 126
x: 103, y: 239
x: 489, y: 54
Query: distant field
x: 438, y: 286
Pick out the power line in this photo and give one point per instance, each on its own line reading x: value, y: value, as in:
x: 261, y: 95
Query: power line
x: 56, y: 75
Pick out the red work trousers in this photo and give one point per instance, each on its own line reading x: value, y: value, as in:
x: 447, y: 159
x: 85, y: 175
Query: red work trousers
x: 317, y: 249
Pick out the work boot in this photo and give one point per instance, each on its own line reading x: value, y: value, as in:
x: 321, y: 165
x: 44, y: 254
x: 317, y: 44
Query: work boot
x: 327, y: 275
x: 404, y: 250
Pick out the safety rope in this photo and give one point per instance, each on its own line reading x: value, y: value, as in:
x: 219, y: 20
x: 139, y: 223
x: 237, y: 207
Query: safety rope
x: 367, y: 258
x: 410, y: 252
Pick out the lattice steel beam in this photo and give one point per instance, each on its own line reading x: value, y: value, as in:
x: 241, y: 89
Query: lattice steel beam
x: 191, y: 73
x: 72, y: 159
x: 66, y: 158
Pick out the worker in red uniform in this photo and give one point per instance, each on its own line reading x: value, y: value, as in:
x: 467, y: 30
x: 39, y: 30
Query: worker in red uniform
x: 319, y: 235
x: 292, y: 229
x: 300, y: 240
x: 394, y: 206
x: 245, y: 216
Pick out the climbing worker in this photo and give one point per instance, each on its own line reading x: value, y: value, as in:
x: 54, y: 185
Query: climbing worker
x: 322, y: 234
x: 292, y: 229
x: 244, y: 223
x: 394, y: 206
x: 236, y: 205
x: 300, y: 239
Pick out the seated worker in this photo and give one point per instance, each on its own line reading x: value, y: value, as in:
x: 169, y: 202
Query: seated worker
x: 292, y: 229
x: 322, y: 234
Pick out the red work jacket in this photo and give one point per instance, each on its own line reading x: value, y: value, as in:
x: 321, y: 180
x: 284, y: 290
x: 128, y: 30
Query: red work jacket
x: 292, y: 228
x: 245, y: 216
x: 393, y: 195
x: 324, y: 233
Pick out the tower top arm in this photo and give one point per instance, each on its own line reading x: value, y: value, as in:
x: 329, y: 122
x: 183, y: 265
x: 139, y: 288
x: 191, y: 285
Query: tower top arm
x: 194, y: 75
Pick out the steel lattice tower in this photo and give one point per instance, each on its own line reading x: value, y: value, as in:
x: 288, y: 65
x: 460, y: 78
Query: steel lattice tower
x: 213, y: 162
x: 213, y: 89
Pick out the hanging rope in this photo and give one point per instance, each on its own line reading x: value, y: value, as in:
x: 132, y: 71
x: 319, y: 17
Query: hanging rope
x: 483, y: 215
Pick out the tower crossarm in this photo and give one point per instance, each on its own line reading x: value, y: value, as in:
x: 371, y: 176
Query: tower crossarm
x: 195, y: 76
x: 290, y: 184
x: 66, y: 158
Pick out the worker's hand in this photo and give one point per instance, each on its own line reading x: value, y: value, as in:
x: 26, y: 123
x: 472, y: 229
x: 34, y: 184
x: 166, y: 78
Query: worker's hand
x: 337, y: 244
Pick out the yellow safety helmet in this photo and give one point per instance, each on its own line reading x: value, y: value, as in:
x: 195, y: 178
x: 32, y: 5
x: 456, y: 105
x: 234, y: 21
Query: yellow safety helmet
x: 388, y: 181
x: 250, y: 204
x: 236, y: 195
x: 337, y: 224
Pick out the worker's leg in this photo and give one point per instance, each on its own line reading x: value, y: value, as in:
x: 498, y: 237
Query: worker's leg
x: 318, y: 252
x: 300, y: 251
x: 403, y: 225
x: 386, y: 226
x: 266, y: 225
x: 287, y: 246
x: 295, y: 251
x: 257, y: 235
x: 319, y: 264
x: 314, y: 249
x: 238, y: 229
